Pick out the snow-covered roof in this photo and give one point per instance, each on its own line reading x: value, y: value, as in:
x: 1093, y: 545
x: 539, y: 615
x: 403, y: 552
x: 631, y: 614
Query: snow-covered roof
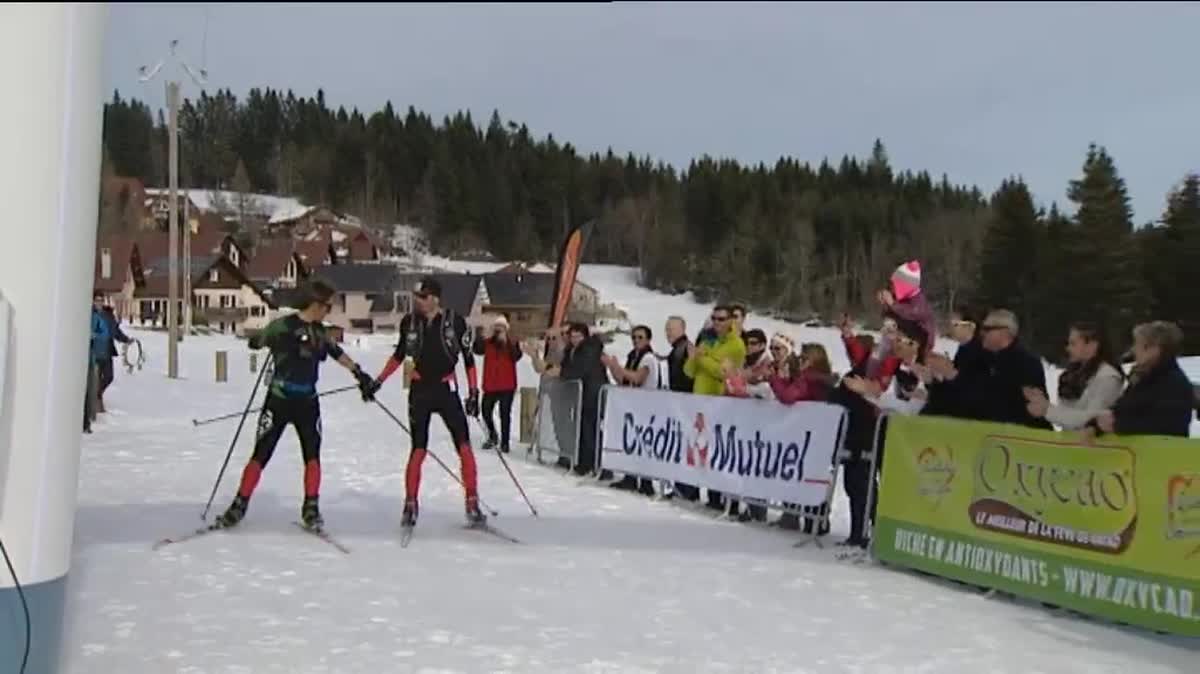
x: 225, y: 202
x: 290, y: 212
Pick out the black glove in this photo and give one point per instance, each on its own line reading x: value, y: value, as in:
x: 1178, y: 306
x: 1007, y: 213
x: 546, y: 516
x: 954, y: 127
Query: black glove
x: 367, y: 385
x: 472, y: 406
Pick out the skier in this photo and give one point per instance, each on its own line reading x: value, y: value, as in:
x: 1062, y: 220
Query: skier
x: 298, y: 343
x: 434, y: 337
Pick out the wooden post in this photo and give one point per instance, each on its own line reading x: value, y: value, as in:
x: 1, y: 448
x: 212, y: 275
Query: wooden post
x: 222, y: 366
x: 253, y: 361
x: 529, y: 399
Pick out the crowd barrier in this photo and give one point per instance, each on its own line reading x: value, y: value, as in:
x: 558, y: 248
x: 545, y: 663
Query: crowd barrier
x: 1110, y: 529
x: 759, y: 451
x: 557, y: 422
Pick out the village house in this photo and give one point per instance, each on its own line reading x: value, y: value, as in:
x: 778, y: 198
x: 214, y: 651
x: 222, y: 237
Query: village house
x: 117, y: 272
x: 223, y: 297
x: 374, y: 297
x: 525, y: 298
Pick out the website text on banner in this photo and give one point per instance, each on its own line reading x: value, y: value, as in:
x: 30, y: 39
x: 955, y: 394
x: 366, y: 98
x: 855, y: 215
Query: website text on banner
x: 1112, y: 529
x: 757, y: 449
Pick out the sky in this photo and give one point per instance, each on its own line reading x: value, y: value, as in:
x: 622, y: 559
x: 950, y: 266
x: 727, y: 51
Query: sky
x: 980, y: 92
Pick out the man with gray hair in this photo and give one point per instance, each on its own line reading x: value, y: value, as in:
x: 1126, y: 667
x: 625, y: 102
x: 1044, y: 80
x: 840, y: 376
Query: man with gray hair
x: 678, y: 381
x: 996, y: 391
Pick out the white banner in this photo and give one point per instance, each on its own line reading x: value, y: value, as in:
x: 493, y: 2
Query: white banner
x: 758, y: 449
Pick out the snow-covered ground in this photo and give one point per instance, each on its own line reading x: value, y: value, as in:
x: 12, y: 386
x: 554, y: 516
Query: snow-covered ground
x: 604, y: 582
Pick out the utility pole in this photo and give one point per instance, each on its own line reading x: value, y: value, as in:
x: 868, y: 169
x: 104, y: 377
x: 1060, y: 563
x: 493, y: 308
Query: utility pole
x: 173, y: 229
x: 173, y: 300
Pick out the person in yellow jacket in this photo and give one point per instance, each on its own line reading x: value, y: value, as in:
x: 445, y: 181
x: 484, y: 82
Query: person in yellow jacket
x: 710, y: 362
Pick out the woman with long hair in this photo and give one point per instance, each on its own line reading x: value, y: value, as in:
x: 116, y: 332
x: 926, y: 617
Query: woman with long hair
x: 807, y: 377
x: 1091, y: 383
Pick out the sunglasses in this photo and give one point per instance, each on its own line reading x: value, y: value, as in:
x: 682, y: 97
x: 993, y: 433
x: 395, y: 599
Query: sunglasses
x: 719, y: 319
x: 993, y: 328
x: 640, y: 338
x: 753, y: 342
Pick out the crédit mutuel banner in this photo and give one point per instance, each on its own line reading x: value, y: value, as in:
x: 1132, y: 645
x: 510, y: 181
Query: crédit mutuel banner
x: 1110, y: 529
x: 753, y: 448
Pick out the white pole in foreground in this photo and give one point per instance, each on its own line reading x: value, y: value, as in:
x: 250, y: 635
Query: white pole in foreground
x: 52, y: 54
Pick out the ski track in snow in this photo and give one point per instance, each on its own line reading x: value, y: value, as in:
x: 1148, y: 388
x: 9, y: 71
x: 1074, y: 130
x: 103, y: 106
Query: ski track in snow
x: 605, y: 581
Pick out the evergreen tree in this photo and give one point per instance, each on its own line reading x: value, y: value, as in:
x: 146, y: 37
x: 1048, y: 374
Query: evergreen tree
x: 1107, y: 283
x: 1007, y: 267
x: 1054, y: 304
x: 1172, y: 262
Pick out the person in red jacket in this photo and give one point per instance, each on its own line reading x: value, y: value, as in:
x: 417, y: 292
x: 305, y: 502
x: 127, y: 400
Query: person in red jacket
x: 500, y: 356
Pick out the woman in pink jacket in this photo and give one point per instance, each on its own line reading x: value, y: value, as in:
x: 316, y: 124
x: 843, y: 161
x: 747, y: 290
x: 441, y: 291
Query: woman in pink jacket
x: 807, y: 377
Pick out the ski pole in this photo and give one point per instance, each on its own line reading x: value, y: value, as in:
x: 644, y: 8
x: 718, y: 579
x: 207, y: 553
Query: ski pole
x: 500, y: 455
x: 233, y: 443
x: 428, y: 451
x: 234, y: 415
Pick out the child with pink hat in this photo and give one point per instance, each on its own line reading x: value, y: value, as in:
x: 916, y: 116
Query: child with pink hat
x: 905, y: 299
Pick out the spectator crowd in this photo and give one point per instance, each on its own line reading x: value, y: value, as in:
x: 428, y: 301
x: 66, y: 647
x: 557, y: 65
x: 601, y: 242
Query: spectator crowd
x: 992, y: 376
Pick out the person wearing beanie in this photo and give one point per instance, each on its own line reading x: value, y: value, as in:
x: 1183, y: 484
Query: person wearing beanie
x: 500, y: 355
x: 782, y: 346
x: 906, y: 301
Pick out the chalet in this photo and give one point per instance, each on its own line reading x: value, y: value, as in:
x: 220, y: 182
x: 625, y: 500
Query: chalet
x: 373, y: 297
x: 316, y: 251
x: 223, y: 297
x: 276, y: 264
x: 157, y: 203
x: 526, y: 297
x: 302, y: 219
x: 355, y: 244
x: 358, y: 287
x: 117, y: 273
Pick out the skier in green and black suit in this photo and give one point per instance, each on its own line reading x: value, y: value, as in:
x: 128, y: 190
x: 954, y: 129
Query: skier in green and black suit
x: 298, y: 343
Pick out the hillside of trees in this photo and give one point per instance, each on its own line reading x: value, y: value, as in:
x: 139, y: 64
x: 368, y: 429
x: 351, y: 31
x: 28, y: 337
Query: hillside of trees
x: 790, y: 237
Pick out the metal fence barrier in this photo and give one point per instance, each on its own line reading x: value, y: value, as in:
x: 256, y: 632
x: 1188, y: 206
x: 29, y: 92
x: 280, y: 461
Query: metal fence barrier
x: 556, y: 429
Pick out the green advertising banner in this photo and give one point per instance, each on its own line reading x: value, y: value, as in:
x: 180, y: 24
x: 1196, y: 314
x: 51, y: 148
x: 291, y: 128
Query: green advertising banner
x: 1110, y: 529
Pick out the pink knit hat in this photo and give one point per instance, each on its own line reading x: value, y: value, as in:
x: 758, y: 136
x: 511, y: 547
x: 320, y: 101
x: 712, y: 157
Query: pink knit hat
x: 906, y: 280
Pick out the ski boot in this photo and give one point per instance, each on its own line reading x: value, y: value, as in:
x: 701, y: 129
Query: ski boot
x: 233, y: 514
x: 310, y: 514
x: 489, y: 444
x: 409, y: 518
x: 475, y: 516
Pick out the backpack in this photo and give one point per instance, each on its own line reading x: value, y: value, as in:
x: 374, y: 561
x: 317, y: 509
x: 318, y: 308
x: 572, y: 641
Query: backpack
x: 450, y: 339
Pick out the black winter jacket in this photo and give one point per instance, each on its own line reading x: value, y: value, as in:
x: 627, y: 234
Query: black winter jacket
x: 1159, y: 402
x: 678, y: 381
x: 993, y: 387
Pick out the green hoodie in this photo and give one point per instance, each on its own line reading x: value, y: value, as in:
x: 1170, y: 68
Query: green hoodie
x: 706, y: 366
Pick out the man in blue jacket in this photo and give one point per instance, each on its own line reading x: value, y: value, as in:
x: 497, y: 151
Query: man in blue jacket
x: 104, y: 363
x: 99, y: 342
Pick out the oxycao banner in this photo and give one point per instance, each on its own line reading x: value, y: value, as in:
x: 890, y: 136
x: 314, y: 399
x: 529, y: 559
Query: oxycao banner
x: 1111, y: 529
x: 753, y: 448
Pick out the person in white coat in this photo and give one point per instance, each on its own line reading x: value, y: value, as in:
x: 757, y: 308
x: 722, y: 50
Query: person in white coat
x: 1090, y: 385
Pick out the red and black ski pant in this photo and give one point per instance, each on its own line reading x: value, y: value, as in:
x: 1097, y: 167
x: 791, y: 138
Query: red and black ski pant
x: 424, y: 400
x: 305, y: 415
